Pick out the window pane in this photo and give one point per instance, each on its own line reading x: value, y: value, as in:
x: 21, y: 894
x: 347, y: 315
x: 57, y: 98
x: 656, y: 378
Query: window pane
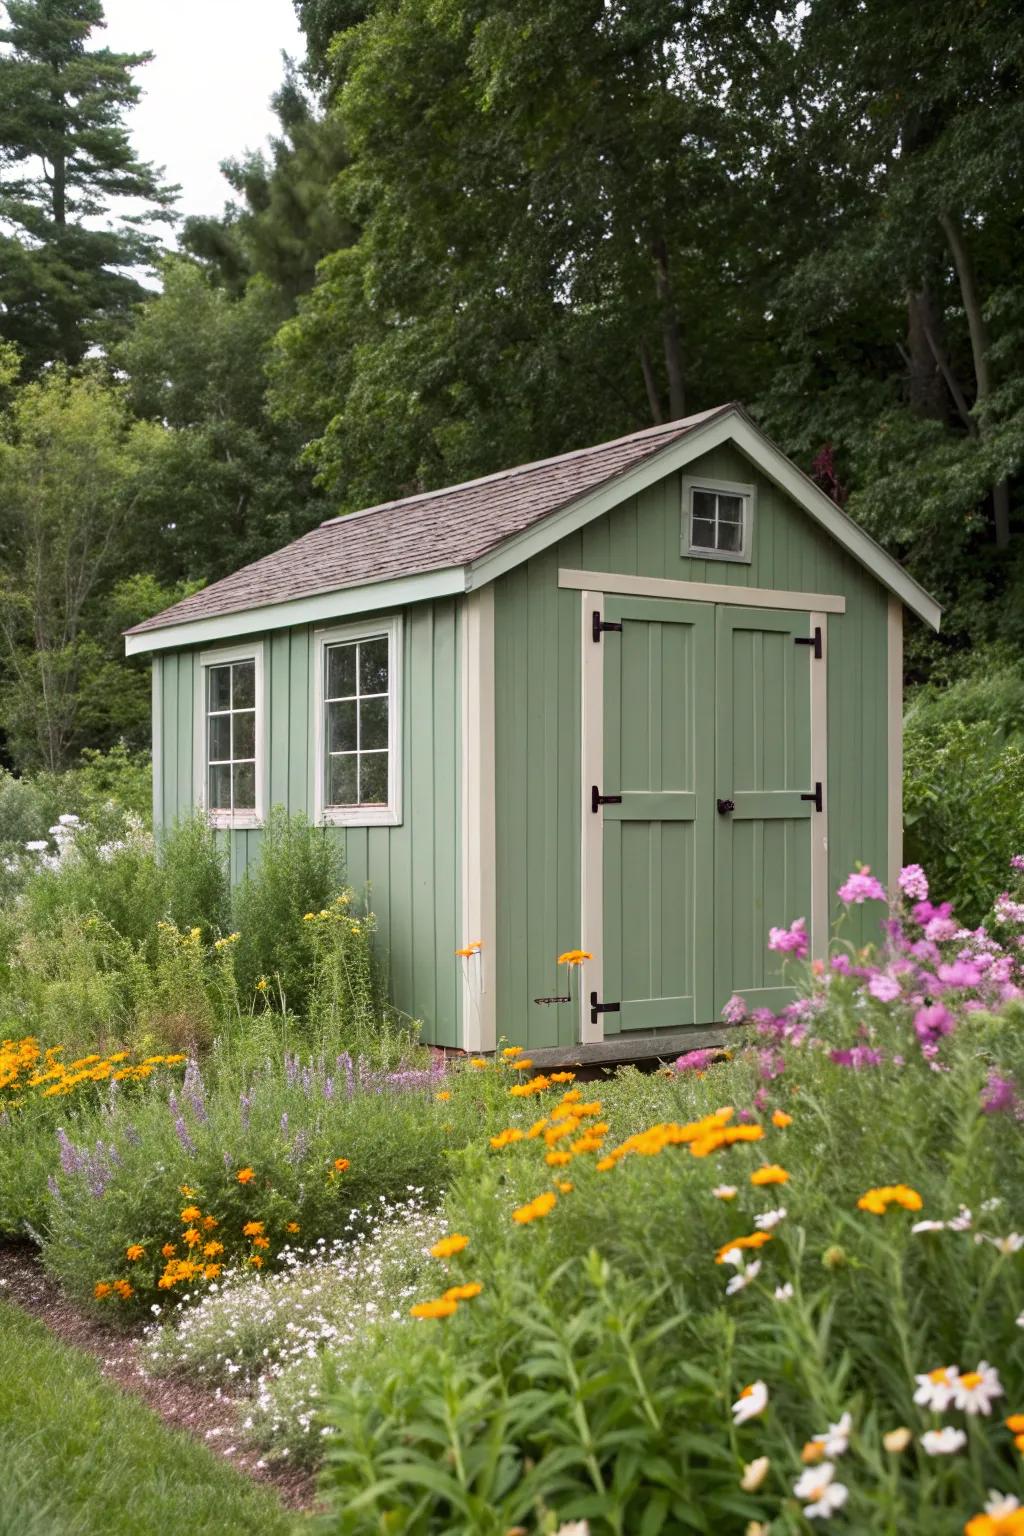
x: 373, y: 778
x: 702, y: 533
x: 244, y: 777
x: 219, y: 685
x: 244, y: 727
x: 704, y: 504
x: 219, y: 738
x: 730, y: 509
x: 341, y: 780
x: 730, y: 537
x: 373, y: 665
x: 341, y: 671
x: 243, y: 685
x: 341, y: 726
x: 373, y: 724
x: 220, y: 788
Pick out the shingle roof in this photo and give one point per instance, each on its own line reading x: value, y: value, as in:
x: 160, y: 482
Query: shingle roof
x: 429, y: 532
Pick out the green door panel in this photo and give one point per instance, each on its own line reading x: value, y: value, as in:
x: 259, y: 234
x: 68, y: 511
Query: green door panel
x: 659, y: 842
x: 763, y: 765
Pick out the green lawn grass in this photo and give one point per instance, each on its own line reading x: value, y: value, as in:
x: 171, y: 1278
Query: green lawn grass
x: 78, y: 1457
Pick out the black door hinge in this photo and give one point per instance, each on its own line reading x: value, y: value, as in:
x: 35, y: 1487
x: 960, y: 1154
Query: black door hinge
x: 596, y: 1007
x: 600, y: 624
x: 816, y: 797
x: 596, y: 799
x: 814, y: 640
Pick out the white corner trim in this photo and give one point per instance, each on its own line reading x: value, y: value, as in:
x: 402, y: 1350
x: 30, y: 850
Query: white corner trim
x: 322, y: 608
x: 157, y: 683
x: 591, y: 826
x: 894, y: 712
x: 699, y: 591
x: 748, y: 495
x: 389, y: 815
x: 477, y: 844
x: 819, y: 935
x: 251, y: 650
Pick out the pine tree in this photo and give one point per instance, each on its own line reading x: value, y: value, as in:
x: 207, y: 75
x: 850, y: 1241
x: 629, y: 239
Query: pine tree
x: 65, y: 284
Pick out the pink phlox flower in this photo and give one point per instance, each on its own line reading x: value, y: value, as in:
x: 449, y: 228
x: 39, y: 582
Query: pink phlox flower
x: 940, y: 930
x: 913, y: 882
x: 860, y: 886
x: 841, y: 964
x: 761, y: 1099
x: 885, y: 988
x: 1007, y: 910
x: 770, y: 1064
x: 1001, y: 969
x: 931, y: 1022
x: 735, y: 1010
x: 791, y: 940
x: 960, y: 974
x: 926, y: 951
x: 999, y: 1095
x: 857, y: 1057
x: 696, y: 1061
x: 924, y: 911
x: 1017, y: 861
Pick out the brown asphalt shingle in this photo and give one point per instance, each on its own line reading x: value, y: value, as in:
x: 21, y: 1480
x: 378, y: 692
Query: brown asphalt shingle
x: 429, y: 532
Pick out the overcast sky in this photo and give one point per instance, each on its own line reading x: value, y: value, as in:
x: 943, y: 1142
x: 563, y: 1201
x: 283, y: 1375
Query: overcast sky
x: 206, y: 95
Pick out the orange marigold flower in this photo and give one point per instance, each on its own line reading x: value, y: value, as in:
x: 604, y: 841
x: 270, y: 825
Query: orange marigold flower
x: 557, y: 1159
x: 186, y: 1191
x: 341, y: 1165
x: 479, y: 1062
x: 252, y: 1229
x: 292, y: 1226
x: 256, y: 1261
x: 878, y: 1200
x: 564, y: 1186
x: 506, y: 1138
x: 134, y: 1251
x: 245, y: 1175
x: 542, y: 1205
x: 448, y: 1247
x: 124, y: 1289
x: 1015, y: 1423
x: 770, y: 1173
x: 1011, y: 1523
x: 463, y: 1292
x: 192, y: 1236
x: 605, y: 1165
x: 512, y: 1050
x: 261, y: 1242
x: 755, y: 1240
x: 563, y: 1077
x: 191, y: 1213
x: 442, y: 1307
x: 101, y: 1288
x: 522, y: 1064
x: 535, y: 1129
x: 211, y: 1271
x: 1018, y: 1441
x: 444, y: 1095
x: 781, y: 1119
x: 574, y: 957
x: 813, y: 1451
x: 209, y: 1222
x: 169, y: 1250
x: 211, y: 1250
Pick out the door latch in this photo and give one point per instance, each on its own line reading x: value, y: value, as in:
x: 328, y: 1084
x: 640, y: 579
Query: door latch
x: 596, y: 799
x: 596, y: 1007
x: 600, y: 624
x: 726, y: 807
x: 816, y: 796
x: 814, y: 640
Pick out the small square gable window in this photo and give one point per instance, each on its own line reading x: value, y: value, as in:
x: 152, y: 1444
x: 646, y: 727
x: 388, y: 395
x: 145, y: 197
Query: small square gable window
x: 718, y: 517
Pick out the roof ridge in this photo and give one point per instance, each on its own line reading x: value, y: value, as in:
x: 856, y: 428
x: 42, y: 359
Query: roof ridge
x: 681, y: 424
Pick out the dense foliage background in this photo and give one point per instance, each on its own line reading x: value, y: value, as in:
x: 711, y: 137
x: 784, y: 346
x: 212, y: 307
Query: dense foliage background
x: 490, y: 232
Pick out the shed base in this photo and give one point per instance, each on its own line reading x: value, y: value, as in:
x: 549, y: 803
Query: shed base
x: 626, y: 1049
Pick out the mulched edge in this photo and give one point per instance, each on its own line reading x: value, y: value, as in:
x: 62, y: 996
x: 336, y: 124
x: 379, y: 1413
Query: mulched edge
x: 208, y: 1415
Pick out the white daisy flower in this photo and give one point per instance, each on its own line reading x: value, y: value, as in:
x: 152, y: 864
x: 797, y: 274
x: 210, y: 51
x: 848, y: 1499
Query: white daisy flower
x: 943, y: 1442
x: 754, y: 1474
x: 724, y: 1191
x: 963, y: 1222
x: 935, y: 1390
x: 1012, y: 1243
x: 975, y: 1391
x: 928, y: 1226
x: 836, y: 1439
x: 897, y: 1440
x: 999, y: 1505
x: 769, y: 1219
x: 733, y: 1256
x: 753, y: 1400
x: 784, y: 1292
x: 744, y: 1278
x: 819, y: 1492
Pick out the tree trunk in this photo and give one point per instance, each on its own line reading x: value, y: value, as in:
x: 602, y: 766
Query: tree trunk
x: 979, y: 353
x: 651, y: 386
x: 926, y: 391
x: 671, y: 334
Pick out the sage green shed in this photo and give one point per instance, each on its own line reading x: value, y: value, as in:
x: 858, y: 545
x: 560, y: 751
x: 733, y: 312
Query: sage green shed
x: 643, y: 700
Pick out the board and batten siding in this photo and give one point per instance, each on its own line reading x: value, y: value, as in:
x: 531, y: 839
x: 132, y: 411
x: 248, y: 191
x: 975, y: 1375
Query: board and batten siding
x: 537, y: 726
x: 409, y: 872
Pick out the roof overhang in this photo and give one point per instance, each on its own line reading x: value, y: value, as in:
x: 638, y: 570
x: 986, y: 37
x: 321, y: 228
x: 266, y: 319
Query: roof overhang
x: 730, y: 425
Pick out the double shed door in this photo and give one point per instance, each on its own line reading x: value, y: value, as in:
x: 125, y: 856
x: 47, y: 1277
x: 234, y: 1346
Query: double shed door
x: 707, y: 805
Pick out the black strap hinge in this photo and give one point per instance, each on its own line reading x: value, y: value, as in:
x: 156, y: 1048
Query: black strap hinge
x: 596, y: 1007
x: 816, y: 797
x: 596, y: 799
x: 600, y: 624
x: 814, y: 640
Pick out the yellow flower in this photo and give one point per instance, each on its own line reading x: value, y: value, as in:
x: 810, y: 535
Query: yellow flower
x: 261, y: 1242
x: 211, y: 1271
x: 186, y: 1191
x: 755, y: 1240
x: 341, y: 1165
x: 878, y: 1200
x: 169, y: 1250
x: 1015, y: 1423
x: 512, y: 1050
x: 192, y: 1236
x: 134, y: 1251
x: 542, y: 1205
x: 813, y: 1451
x: 563, y: 1077
x: 262, y: 984
x: 574, y: 957
x: 522, y: 1064
x: 781, y: 1119
x: 245, y: 1175
x: 558, y: 1159
x: 449, y: 1246
x: 463, y: 1292
x: 209, y: 1222
x: 123, y: 1289
x: 292, y: 1226
x: 442, y: 1307
x: 535, y: 1129
x: 211, y: 1250
x: 771, y: 1173
x: 506, y: 1138
x: 469, y: 950
x: 564, y: 1186
x: 191, y: 1213
x: 256, y: 1261
x: 101, y: 1288
x: 444, y: 1095
x: 897, y: 1440
x: 252, y: 1229
x: 479, y: 1062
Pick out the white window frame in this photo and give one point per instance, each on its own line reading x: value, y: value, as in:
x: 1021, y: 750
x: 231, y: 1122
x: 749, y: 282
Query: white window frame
x: 253, y: 651
x: 748, y: 493
x: 389, y: 815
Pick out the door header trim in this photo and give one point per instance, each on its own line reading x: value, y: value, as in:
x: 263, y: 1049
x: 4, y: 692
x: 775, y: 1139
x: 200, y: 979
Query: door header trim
x: 603, y: 582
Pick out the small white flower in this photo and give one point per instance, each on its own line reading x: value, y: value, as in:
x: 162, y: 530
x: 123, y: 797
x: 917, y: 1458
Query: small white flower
x: 574, y: 1528
x: 769, y: 1219
x: 819, y: 1491
x: 724, y: 1191
x: 1013, y: 1242
x: 784, y: 1292
x: 992, y: 1203
x: 975, y: 1391
x: 943, y: 1442
x: 928, y: 1226
x: 744, y: 1278
x: 1020, y: 1319
x: 752, y: 1401
x: 836, y: 1438
x: 38, y: 845
x: 963, y: 1222
x: 754, y: 1474
x: 897, y: 1440
x: 67, y: 821
x: 999, y: 1505
x: 733, y: 1256
x: 935, y: 1390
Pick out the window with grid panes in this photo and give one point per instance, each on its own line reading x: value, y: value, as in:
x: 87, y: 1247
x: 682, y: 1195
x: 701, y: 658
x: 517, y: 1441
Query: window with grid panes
x: 357, y: 702
x: 717, y: 520
x: 231, y: 736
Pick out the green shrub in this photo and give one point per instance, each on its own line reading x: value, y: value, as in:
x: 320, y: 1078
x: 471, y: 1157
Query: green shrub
x: 197, y: 886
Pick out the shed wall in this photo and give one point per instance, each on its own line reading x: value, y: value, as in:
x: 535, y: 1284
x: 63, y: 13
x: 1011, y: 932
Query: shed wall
x: 537, y: 728
x: 409, y: 872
